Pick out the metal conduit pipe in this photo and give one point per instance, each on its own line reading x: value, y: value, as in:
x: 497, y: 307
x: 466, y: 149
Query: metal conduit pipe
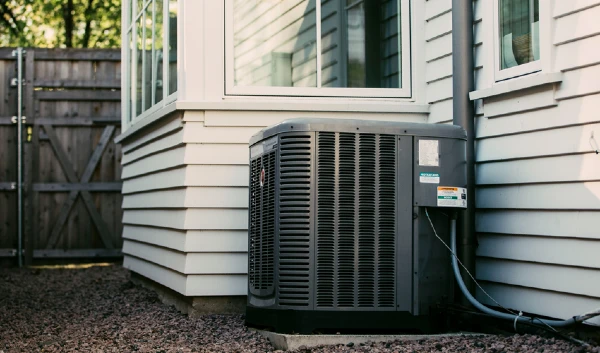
x: 516, y: 318
x: 463, y: 116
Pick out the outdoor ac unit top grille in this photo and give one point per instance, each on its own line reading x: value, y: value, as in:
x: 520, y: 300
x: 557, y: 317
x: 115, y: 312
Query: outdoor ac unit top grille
x: 356, y: 213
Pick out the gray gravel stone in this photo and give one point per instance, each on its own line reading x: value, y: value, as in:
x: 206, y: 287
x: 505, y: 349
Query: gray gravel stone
x: 99, y: 310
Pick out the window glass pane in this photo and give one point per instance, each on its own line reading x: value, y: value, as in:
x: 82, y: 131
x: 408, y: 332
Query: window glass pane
x: 274, y: 43
x: 172, y: 46
x: 140, y: 6
x: 132, y: 69
x: 390, y: 44
x: 148, y: 58
x: 519, y: 32
x: 157, y: 61
x: 356, y: 57
x: 129, y: 9
x: 139, y: 65
x: 359, y: 43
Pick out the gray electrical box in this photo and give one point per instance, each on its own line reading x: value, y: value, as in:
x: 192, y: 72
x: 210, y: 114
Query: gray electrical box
x: 338, y: 237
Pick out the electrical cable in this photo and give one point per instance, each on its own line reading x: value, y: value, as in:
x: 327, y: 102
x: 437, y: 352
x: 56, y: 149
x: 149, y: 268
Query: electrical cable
x: 513, y: 315
x: 550, y: 330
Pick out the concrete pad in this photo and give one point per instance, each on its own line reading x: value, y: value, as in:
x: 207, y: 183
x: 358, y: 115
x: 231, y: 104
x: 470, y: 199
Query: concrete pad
x: 290, y: 342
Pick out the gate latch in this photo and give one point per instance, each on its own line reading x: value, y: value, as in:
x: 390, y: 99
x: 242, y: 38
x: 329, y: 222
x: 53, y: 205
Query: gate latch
x: 15, y: 81
x: 15, y: 52
x: 14, y: 119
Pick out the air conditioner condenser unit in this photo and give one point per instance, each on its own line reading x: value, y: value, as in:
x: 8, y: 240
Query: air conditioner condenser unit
x: 338, y: 238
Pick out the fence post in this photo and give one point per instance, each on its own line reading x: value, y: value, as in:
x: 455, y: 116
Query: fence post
x: 19, y: 121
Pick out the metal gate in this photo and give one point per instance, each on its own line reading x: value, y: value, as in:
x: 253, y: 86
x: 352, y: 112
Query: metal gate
x: 59, y: 167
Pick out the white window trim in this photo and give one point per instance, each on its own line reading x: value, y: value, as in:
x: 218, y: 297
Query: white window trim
x: 125, y: 70
x: 544, y: 38
x: 406, y: 67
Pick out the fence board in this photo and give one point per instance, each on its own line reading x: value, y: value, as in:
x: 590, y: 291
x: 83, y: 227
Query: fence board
x: 78, y: 95
x: 72, y: 103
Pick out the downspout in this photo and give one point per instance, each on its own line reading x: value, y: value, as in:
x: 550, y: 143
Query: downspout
x: 463, y: 116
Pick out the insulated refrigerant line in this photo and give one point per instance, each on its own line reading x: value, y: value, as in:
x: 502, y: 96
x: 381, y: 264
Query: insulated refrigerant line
x: 512, y: 316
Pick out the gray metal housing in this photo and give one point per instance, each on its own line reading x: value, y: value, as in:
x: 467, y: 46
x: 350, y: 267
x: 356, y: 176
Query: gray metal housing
x: 336, y: 216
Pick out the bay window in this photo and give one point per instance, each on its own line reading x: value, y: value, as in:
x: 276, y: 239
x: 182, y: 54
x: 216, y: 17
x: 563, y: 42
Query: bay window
x: 348, y: 48
x: 150, y: 36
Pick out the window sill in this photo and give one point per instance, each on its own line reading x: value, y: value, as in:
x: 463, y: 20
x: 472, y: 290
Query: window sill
x: 308, y: 105
x: 517, y: 84
x: 277, y: 104
x: 143, y: 122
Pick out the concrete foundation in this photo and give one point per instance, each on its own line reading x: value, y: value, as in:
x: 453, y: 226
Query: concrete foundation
x: 193, y: 306
x: 291, y: 342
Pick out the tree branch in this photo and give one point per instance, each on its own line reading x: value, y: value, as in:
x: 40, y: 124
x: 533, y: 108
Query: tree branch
x: 88, y: 24
x: 8, y: 17
x: 69, y: 25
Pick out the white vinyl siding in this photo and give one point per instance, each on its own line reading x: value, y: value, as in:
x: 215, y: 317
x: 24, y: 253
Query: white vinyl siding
x: 438, y: 60
x: 438, y: 56
x: 538, y: 195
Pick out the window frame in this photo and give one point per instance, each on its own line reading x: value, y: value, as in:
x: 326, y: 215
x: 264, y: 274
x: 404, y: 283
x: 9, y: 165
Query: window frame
x: 405, y: 50
x: 524, y: 69
x: 130, y: 56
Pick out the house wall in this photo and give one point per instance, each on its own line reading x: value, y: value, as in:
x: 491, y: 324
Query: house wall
x: 186, y: 175
x: 538, y: 195
x: 185, y: 190
x: 537, y: 178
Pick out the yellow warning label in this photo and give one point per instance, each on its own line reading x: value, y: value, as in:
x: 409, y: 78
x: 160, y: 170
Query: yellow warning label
x: 448, y: 196
x: 445, y: 188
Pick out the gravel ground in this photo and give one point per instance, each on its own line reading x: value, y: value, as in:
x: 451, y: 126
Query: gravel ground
x: 98, y: 309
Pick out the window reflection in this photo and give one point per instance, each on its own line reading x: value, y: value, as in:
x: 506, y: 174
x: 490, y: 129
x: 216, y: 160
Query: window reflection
x: 372, y: 37
x: 147, y: 77
x: 172, y: 46
x: 139, y: 64
x: 157, y: 56
x: 147, y: 80
x: 275, y: 43
x: 519, y: 32
x: 355, y: 34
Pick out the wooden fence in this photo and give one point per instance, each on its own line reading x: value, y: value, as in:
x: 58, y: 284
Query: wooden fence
x: 71, y: 166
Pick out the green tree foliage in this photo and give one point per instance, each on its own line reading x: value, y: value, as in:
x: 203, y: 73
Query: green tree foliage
x: 60, y: 23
